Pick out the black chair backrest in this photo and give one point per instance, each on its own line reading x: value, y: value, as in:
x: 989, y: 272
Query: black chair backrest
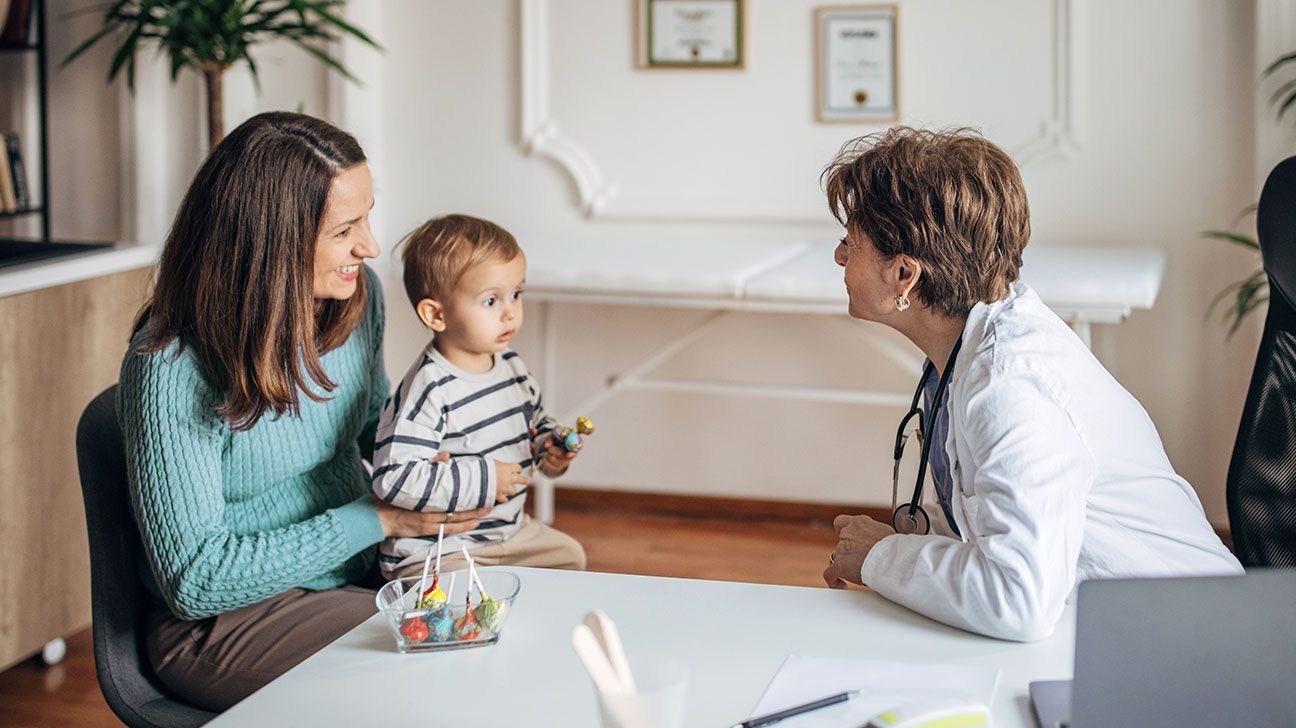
x: 1262, y: 474
x: 120, y: 603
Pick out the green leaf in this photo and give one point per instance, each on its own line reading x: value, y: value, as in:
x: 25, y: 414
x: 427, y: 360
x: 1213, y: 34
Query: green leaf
x: 199, y: 33
x: 1247, y: 296
x: 327, y: 59
x: 1290, y: 85
x: 1278, y: 63
x: 99, y: 35
x: 1215, y: 302
x: 339, y: 22
x: 1238, y: 238
x: 252, y: 67
x: 1286, y: 104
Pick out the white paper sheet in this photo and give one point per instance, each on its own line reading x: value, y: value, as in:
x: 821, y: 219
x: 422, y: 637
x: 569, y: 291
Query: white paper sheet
x: 883, y: 685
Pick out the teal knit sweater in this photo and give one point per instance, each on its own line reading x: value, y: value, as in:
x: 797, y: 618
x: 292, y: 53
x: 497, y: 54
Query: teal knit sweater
x: 230, y: 518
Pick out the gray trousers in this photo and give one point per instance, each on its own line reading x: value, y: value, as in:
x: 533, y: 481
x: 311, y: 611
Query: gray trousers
x: 213, y: 663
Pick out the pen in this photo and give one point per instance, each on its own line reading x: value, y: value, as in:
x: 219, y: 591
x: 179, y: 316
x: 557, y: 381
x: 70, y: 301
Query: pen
x: 797, y: 710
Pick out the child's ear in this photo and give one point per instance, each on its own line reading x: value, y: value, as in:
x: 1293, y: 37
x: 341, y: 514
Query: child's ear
x: 432, y: 314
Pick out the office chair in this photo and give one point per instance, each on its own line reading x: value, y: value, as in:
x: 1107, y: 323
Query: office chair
x: 1262, y: 475
x: 118, y: 598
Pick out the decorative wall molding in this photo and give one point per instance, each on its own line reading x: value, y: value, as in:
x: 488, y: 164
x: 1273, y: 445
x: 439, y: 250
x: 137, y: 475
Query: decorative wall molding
x: 540, y: 133
x: 1057, y: 138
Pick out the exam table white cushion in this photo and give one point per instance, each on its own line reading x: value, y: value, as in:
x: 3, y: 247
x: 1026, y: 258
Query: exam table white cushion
x: 667, y: 266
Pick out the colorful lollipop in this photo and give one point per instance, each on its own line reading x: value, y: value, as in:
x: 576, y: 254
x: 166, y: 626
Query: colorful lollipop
x: 467, y: 627
x: 433, y: 597
x: 414, y: 629
x: 488, y: 611
x: 441, y: 621
x: 568, y: 438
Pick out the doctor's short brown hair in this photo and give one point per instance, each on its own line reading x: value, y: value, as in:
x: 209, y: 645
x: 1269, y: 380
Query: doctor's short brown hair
x: 950, y: 199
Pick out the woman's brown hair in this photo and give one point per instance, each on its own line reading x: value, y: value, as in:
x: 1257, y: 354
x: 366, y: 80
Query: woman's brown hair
x: 236, y: 277
x: 950, y: 199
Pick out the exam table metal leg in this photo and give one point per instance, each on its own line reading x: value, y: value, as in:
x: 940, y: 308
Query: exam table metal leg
x: 542, y: 487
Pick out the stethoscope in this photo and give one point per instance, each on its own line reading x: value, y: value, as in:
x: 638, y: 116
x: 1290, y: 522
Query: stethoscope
x: 911, y: 518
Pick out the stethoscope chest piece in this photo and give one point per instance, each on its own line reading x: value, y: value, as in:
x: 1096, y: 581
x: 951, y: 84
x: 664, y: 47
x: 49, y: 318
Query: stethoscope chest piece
x: 909, y: 523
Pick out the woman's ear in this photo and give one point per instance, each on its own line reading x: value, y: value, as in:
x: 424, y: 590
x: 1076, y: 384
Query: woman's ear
x: 908, y: 272
x: 432, y: 314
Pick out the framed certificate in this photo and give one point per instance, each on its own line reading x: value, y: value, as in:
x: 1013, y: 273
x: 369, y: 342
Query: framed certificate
x: 857, y: 76
x: 690, y: 34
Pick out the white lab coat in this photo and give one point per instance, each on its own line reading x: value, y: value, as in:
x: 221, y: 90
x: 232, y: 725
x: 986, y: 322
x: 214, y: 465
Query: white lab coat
x: 1059, y: 476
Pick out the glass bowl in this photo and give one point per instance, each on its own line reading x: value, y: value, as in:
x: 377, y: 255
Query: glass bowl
x: 454, y: 624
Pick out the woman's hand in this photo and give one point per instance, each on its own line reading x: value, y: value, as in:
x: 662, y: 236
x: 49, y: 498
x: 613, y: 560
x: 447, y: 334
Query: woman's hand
x: 856, y: 536
x: 400, y: 523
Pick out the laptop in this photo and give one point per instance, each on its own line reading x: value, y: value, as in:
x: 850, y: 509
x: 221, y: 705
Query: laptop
x: 1204, y: 651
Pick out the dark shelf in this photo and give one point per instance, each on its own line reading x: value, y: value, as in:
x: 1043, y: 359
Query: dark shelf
x: 18, y: 252
x: 24, y: 211
x: 35, y: 43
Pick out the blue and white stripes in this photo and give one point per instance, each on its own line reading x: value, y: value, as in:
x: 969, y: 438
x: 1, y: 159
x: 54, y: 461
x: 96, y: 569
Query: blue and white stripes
x: 478, y: 419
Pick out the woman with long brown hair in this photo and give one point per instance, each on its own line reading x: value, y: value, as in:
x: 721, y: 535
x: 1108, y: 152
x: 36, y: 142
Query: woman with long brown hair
x: 248, y: 399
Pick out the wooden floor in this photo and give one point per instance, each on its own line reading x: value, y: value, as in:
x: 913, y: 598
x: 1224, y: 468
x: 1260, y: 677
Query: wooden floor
x: 700, y: 548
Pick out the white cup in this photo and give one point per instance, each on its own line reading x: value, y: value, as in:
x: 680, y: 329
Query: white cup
x: 659, y: 700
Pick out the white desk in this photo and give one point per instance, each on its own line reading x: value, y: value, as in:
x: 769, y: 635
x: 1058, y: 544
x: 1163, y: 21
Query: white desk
x: 1084, y: 286
x: 732, y: 636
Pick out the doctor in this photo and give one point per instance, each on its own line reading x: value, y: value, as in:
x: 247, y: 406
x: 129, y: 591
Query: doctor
x: 1046, y: 470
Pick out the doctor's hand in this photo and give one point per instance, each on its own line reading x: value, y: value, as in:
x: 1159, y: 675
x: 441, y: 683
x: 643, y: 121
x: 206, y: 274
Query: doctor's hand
x: 856, y: 536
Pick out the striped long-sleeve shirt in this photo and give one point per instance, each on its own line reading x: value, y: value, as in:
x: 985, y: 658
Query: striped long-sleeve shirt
x: 476, y: 418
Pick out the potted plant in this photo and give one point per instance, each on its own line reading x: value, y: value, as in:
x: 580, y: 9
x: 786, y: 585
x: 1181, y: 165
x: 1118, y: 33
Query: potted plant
x: 1252, y: 292
x: 1248, y: 294
x: 212, y: 36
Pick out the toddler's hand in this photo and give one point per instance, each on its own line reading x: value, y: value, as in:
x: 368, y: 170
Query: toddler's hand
x: 554, y: 460
x: 508, y: 478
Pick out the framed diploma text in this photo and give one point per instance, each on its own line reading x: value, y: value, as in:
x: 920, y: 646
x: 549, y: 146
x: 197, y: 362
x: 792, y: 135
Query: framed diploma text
x: 690, y: 34
x: 857, y: 74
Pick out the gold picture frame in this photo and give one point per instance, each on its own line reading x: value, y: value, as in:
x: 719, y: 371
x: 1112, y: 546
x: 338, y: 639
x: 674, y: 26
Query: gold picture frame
x: 857, y: 64
x: 691, y: 34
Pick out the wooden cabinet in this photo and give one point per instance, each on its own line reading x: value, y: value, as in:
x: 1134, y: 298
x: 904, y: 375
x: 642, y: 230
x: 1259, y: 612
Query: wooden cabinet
x: 59, y: 347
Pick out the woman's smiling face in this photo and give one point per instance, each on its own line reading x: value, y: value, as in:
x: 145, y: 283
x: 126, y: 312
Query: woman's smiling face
x: 345, y: 239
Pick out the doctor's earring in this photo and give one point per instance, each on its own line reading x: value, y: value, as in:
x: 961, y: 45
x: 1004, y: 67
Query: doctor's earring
x: 901, y: 302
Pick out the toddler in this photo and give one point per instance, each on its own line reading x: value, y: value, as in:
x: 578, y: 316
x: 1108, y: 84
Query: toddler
x: 466, y: 423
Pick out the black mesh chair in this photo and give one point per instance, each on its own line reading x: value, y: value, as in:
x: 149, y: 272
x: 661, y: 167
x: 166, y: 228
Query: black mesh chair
x: 119, y: 600
x: 1262, y: 474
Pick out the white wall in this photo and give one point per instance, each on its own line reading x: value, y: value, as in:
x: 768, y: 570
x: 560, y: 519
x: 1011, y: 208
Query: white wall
x: 1160, y: 120
x: 1154, y: 139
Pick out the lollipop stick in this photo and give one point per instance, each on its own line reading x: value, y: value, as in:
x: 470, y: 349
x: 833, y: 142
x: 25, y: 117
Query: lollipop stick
x: 423, y: 579
x: 440, y: 540
x: 472, y: 573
